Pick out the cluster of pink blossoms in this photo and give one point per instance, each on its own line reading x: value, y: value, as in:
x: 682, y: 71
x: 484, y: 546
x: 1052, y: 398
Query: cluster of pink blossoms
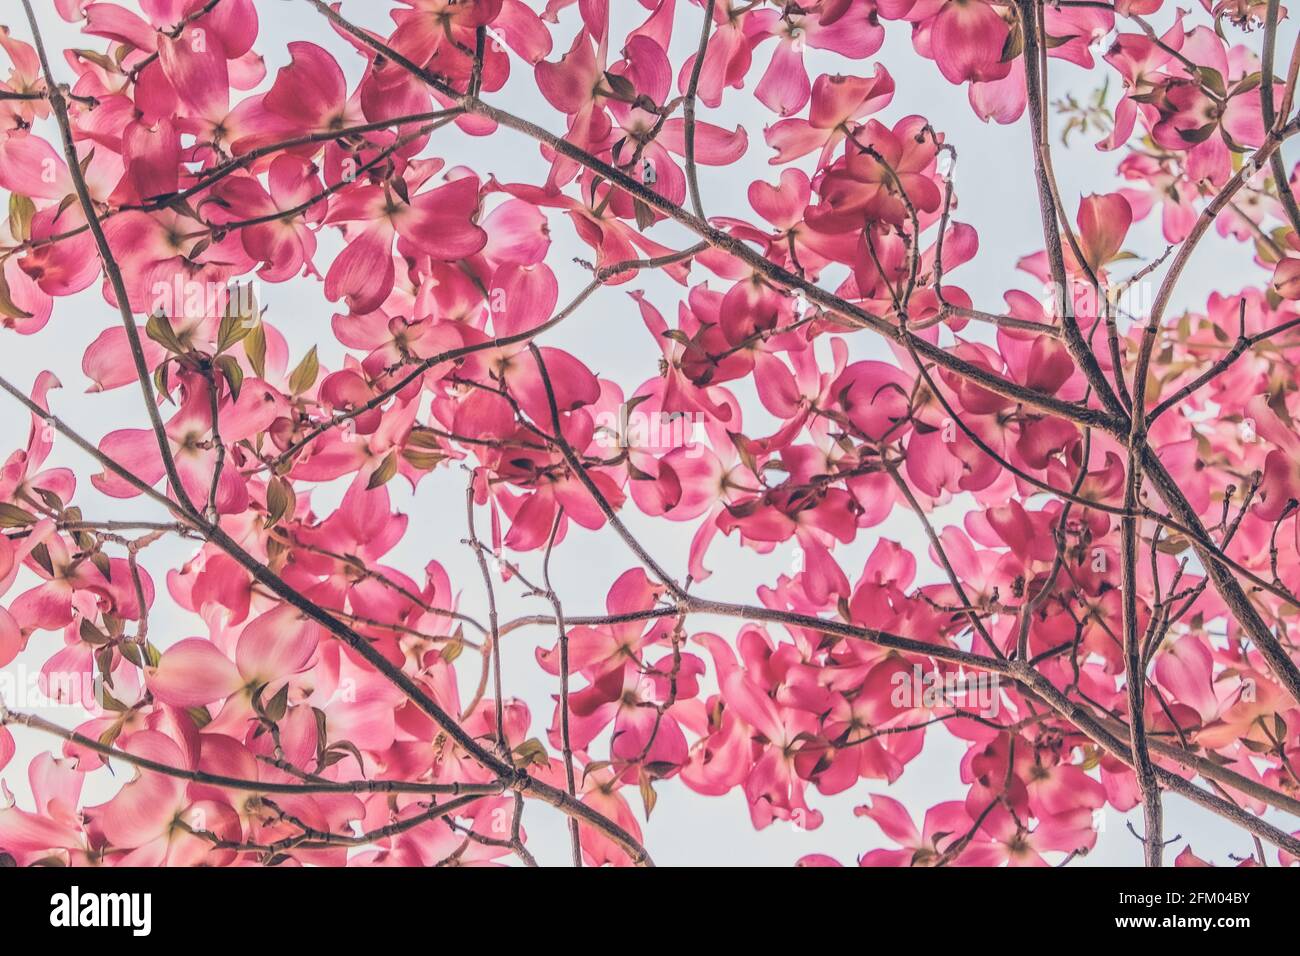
x: 1123, y: 581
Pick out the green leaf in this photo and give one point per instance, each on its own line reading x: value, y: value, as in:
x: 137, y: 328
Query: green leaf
x: 1198, y: 135
x: 423, y: 460
x: 159, y: 328
x: 383, y: 473
x: 131, y: 651
x: 648, y: 796
x: 1248, y: 83
x: 111, y: 734
x: 200, y: 247
x: 402, y: 189
x: 109, y: 702
x: 100, y: 560
x: 744, y: 451
x: 100, y: 60
x: 104, y: 661
x: 91, y: 634
x: 233, y: 329
x: 452, y: 649
x: 114, y: 625
x: 11, y: 516
x: 321, y: 736
x: 255, y: 349
x: 234, y: 373
x: 21, y: 212
x: 1091, y: 759
x: 620, y: 87
x: 532, y: 751
x: 1213, y: 80
x: 161, y: 380
x: 55, y: 503
x: 424, y: 438
x: 1174, y: 544
x: 1012, y: 46
x: 304, y: 376
x: 345, y: 746
x: 41, y: 555
x: 279, y: 704
x: 280, y: 500
x: 7, y: 307
x: 645, y: 217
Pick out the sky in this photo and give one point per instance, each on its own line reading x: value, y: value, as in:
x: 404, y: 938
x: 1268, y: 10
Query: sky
x: 995, y: 194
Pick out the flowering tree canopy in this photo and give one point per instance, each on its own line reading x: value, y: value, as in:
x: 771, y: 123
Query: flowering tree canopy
x: 1112, y: 618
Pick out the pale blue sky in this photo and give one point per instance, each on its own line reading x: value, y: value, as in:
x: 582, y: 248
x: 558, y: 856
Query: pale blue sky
x: 995, y: 195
